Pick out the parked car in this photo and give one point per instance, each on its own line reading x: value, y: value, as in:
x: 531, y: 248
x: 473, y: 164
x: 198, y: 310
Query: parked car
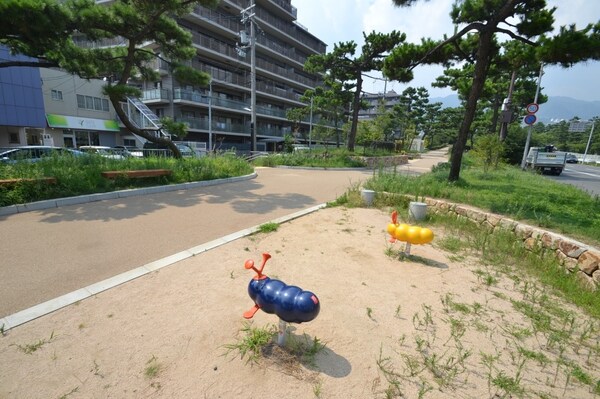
x: 129, y: 151
x: 34, y: 153
x: 103, y: 151
x: 571, y: 158
x: 162, y: 150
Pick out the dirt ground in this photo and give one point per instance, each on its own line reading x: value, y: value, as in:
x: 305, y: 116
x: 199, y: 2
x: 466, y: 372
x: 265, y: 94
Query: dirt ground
x: 436, y: 325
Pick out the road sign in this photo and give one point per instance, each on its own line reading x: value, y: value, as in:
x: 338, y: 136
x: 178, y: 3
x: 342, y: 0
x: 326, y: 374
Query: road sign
x: 532, y: 108
x: 530, y: 119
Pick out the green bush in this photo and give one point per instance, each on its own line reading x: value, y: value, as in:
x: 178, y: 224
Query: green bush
x: 507, y: 191
x: 82, y: 175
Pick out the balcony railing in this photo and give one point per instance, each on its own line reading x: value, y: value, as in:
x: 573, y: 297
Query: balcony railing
x: 156, y: 94
x: 290, y: 29
x: 198, y: 97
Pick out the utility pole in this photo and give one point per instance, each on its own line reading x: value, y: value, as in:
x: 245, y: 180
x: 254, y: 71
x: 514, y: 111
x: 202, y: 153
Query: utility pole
x: 248, y: 16
x: 252, y: 81
x: 507, y: 108
x: 210, y: 145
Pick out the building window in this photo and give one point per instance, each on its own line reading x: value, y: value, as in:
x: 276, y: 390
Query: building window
x: 13, y: 138
x: 93, y: 103
x: 56, y: 95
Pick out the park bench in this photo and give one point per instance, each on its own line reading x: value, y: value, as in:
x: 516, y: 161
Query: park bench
x: 13, y: 182
x: 134, y: 174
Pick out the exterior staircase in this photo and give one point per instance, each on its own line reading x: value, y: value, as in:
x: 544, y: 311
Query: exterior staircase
x: 144, y: 118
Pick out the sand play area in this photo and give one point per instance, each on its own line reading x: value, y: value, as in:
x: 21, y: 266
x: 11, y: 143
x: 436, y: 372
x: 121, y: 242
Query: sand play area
x: 438, y: 325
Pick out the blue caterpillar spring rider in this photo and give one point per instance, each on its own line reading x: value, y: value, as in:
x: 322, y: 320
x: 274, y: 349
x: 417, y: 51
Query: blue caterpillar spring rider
x: 290, y: 303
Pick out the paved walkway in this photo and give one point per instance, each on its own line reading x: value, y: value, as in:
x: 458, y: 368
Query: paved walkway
x: 48, y: 255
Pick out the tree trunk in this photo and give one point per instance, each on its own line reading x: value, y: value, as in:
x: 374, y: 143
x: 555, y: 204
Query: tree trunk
x: 495, y: 115
x: 479, y: 76
x: 355, y: 109
x: 139, y: 132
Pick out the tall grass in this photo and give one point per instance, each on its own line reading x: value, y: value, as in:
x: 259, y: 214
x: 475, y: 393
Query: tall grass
x: 337, y: 158
x: 82, y: 175
x: 508, y: 191
x: 507, y: 255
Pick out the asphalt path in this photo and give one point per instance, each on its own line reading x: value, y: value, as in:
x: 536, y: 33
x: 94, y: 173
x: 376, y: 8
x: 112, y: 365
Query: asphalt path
x: 585, y: 177
x: 48, y: 253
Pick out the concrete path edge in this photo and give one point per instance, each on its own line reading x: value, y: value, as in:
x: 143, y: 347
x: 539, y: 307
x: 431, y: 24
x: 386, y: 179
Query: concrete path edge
x: 84, y: 199
x: 42, y: 309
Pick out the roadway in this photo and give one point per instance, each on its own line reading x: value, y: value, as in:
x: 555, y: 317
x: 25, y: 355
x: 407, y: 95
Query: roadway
x: 52, y: 252
x: 585, y: 177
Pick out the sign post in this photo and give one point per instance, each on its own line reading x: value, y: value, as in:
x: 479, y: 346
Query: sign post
x: 535, y: 106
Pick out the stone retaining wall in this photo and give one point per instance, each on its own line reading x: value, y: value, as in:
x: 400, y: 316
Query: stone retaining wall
x: 574, y: 256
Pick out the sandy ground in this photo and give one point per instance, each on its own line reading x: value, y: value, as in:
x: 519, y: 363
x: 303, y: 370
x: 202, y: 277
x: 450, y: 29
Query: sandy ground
x: 423, y: 327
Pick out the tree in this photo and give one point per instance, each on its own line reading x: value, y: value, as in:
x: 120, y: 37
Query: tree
x: 512, y: 75
x: 488, y: 19
x: 343, y: 66
x: 45, y: 30
x: 330, y: 101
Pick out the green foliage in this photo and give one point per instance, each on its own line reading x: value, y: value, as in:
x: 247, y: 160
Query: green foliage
x: 342, y: 65
x: 508, y: 191
x: 288, y: 143
x: 81, y: 175
x: 313, y: 158
x: 488, y: 19
x: 268, y: 228
x: 488, y: 151
x: 253, y: 341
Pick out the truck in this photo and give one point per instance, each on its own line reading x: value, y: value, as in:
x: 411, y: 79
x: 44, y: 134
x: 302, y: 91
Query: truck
x: 546, y: 159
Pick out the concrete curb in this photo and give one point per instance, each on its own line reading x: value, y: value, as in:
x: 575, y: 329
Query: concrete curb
x: 84, y: 199
x: 42, y: 309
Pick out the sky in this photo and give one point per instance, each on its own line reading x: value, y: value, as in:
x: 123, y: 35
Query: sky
x: 333, y: 23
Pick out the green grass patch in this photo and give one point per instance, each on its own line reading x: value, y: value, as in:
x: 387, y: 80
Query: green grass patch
x: 82, y: 175
x: 331, y: 158
x: 509, y: 191
x: 268, y: 227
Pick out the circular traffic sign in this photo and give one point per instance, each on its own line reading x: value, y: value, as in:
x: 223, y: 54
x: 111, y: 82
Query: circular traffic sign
x: 532, y: 108
x: 530, y: 119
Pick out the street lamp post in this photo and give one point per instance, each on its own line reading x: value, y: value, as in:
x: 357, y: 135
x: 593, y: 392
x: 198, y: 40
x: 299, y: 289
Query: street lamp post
x: 587, y: 147
x: 310, y: 123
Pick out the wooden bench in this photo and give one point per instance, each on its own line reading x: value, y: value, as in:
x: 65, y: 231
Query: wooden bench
x: 13, y: 182
x: 134, y: 174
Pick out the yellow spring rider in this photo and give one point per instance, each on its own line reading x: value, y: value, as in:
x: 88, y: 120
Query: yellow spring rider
x: 411, y: 235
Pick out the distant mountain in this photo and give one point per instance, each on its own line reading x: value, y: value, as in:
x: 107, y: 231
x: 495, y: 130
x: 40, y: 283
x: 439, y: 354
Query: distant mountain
x: 450, y: 101
x: 556, y: 109
x: 567, y: 108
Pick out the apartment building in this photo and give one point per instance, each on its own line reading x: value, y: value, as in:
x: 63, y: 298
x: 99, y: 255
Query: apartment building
x: 375, y: 101
x: 281, y: 48
x: 72, y: 112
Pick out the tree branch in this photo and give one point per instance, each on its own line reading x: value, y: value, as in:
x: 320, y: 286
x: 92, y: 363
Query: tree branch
x: 516, y: 37
x: 472, y: 26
